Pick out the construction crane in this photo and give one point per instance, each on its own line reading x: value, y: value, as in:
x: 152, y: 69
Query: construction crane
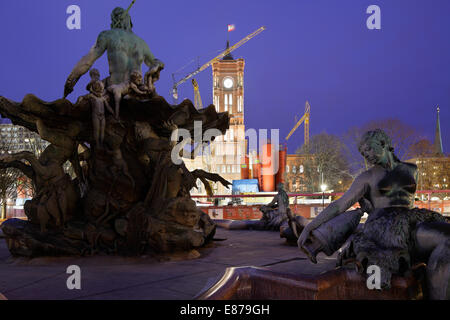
x: 220, y: 56
x: 305, y: 119
x: 197, y: 99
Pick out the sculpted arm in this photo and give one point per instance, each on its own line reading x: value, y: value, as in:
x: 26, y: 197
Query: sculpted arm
x: 274, y: 202
x: 356, y: 192
x: 23, y: 155
x: 150, y: 60
x: 134, y: 88
x: 85, y: 63
x: 108, y: 107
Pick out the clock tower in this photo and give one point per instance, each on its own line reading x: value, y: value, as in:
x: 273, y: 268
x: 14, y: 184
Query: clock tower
x: 228, y: 96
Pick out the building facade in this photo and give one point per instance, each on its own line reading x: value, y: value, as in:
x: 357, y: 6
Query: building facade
x: 434, y: 172
x: 225, y: 154
x: 16, y: 138
x: 295, y: 173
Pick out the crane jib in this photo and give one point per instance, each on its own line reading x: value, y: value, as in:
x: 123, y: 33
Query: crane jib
x: 223, y: 54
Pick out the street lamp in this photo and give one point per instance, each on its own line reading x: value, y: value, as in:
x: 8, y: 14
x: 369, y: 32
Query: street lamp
x: 323, y: 187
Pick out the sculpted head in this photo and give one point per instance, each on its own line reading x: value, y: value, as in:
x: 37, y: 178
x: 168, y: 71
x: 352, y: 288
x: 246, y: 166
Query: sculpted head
x: 97, y: 88
x: 280, y: 186
x: 136, y: 77
x: 376, y: 147
x: 120, y: 19
x: 94, y: 74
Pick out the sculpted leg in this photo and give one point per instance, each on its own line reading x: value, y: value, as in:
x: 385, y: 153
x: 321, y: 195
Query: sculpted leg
x: 433, y: 244
x: 117, y: 98
x: 43, y: 216
x: 173, y: 182
x: 438, y: 272
x: 96, y: 125
x: 63, y: 206
x: 102, y: 130
x: 53, y: 208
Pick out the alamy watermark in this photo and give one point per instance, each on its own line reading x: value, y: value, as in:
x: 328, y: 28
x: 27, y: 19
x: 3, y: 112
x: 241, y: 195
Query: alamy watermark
x: 73, y: 22
x: 74, y: 280
x: 227, y: 150
x: 374, y: 20
x: 374, y: 278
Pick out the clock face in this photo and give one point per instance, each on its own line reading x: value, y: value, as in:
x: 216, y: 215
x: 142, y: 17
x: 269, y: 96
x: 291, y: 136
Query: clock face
x: 228, y: 83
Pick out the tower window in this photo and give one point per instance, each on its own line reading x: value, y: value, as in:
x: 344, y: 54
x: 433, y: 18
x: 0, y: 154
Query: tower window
x: 216, y: 103
x: 226, y: 102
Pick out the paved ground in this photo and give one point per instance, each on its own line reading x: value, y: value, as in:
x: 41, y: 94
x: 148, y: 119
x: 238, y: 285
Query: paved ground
x: 177, y: 277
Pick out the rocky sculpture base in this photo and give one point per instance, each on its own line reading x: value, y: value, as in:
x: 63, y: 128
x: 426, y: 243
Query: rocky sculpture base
x: 180, y: 227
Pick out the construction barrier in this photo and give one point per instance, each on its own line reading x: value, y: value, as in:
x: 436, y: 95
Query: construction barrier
x: 309, y: 211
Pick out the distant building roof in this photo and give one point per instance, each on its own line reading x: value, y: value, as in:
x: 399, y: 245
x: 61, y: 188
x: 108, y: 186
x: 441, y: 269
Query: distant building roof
x: 438, y: 150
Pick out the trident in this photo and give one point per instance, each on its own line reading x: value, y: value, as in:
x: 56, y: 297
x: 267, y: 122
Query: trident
x: 125, y: 12
x: 129, y: 7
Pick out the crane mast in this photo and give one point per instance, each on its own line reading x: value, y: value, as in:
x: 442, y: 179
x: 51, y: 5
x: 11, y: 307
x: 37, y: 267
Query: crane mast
x: 220, y: 56
x: 197, y: 98
x: 304, y: 119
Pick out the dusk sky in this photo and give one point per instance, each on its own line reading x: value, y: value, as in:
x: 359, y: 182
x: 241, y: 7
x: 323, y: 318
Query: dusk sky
x: 315, y: 50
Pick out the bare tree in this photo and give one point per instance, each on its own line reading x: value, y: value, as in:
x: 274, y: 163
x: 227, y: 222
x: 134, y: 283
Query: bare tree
x: 327, y: 163
x: 420, y: 149
x: 8, y: 177
x: 403, y: 136
x: 14, y: 180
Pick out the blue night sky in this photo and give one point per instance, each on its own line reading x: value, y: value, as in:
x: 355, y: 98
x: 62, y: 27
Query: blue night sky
x: 320, y: 51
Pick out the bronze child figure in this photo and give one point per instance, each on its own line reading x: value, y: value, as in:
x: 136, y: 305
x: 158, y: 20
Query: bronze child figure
x: 95, y: 76
x: 131, y: 87
x: 98, y: 103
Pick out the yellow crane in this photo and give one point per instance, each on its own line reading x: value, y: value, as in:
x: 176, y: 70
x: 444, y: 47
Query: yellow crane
x: 220, y: 56
x: 304, y: 119
x: 197, y: 98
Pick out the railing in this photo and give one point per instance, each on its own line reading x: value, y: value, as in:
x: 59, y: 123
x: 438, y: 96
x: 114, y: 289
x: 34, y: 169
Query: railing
x: 319, y: 194
x: 308, y: 210
x: 235, y: 208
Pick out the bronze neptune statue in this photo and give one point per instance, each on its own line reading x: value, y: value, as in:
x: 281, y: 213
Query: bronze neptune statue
x: 127, y: 196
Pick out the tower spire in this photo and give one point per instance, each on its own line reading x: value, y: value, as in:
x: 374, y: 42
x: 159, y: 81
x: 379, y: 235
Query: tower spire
x: 228, y: 56
x: 437, y: 138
